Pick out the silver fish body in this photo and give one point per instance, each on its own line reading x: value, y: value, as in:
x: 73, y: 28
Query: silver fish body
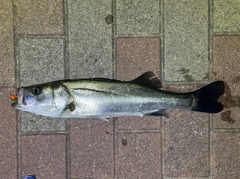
x: 105, y: 98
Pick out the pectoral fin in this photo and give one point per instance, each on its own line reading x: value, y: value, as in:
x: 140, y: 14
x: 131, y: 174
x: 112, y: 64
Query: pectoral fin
x: 70, y: 106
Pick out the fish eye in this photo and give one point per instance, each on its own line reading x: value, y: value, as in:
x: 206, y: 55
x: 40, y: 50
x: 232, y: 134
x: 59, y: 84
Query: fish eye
x: 36, y: 90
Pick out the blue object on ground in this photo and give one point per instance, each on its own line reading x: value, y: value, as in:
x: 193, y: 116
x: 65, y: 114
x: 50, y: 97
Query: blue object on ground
x: 29, y: 177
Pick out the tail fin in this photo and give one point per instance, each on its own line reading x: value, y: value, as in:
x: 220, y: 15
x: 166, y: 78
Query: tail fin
x: 207, y: 96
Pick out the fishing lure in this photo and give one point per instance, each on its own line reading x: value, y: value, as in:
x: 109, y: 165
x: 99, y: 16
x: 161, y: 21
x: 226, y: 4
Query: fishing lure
x: 14, y: 98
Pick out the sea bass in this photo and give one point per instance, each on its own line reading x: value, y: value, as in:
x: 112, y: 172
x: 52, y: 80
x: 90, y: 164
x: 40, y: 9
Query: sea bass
x: 100, y: 98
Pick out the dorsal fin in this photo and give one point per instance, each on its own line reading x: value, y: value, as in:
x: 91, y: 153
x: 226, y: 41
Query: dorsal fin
x: 148, y: 79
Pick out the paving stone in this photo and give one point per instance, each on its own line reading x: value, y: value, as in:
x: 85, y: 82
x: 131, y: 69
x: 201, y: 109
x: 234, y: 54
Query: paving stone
x: 226, y: 155
x: 34, y: 123
x: 226, y: 16
x: 8, y: 138
x: 40, y: 17
x: 139, y: 155
x: 44, y: 156
x: 91, y: 144
x: 186, y: 40
x: 137, y: 17
x: 186, y: 147
x: 7, y: 65
x: 226, y: 64
x: 186, y: 150
x: 90, y: 39
x: 40, y: 61
x: 140, y: 123
x: 134, y: 57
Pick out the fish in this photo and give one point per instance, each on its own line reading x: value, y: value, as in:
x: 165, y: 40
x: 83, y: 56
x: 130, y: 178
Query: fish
x: 101, y: 98
x: 29, y: 177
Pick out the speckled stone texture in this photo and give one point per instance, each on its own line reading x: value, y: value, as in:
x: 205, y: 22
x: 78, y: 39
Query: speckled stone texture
x: 139, y: 155
x: 226, y: 65
x: 134, y: 57
x: 226, y: 16
x: 139, y: 123
x: 40, y: 17
x: 91, y: 144
x: 226, y: 155
x: 34, y: 123
x: 197, y: 41
x: 8, y: 136
x: 44, y: 156
x: 186, y: 40
x: 186, y: 145
x: 40, y: 61
x: 90, y: 39
x: 7, y: 64
x: 139, y: 17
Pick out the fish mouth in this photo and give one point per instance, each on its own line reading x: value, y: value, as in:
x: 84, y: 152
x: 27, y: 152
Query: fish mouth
x: 21, y: 99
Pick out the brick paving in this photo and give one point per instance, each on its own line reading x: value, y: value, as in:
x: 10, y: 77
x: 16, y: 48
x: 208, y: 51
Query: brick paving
x: 186, y: 43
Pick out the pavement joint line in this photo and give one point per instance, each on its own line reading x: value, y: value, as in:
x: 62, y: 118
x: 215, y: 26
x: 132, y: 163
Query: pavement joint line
x: 210, y: 139
x: 15, y: 43
x: 34, y: 133
x: 41, y: 36
x: 209, y: 131
x: 209, y: 40
x: 114, y: 32
x: 115, y: 147
x: 162, y: 47
x: 186, y: 82
x: 66, y: 40
x: 215, y: 34
x: 162, y: 142
x: 140, y: 131
x: 68, y: 151
x: 65, y: 17
x: 138, y: 36
x: 161, y: 17
x: 210, y: 37
x: 227, y: 130
x: 19, y: 153
x: 19, y: 156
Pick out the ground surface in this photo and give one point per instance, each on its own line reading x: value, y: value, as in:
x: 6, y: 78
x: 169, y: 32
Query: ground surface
x: 186, y: 43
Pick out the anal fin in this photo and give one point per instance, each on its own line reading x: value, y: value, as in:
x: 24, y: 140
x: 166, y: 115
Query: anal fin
x: 161, y: 112
x: 99, y: 118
